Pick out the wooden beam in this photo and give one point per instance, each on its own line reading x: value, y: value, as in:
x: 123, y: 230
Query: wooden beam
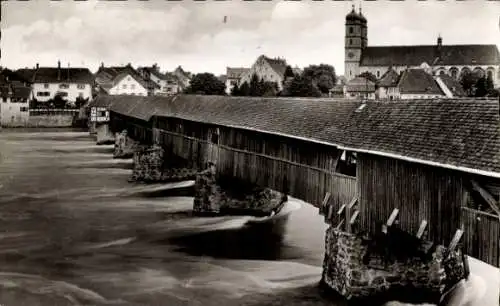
x: 354, y: 216
x: 455, y: 240
x: 330, y: 213
x: 325, y: 201
x: 392, y: 217
x: 340, y: 223
x: 353, y: 202
x: 486, y: 196
x: 421, y: 229
x: 341, y: 209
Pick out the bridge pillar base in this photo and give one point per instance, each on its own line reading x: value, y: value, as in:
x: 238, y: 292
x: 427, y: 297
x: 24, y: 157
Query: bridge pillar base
x: 373, y: 283
x: 230, y: 197
x: 150, y: 167
x: 104, y: 134
x: 124, y: 146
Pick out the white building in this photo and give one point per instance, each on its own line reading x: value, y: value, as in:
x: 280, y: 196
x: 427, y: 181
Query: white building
x: 452, y: 60
x: 122, y: 81
x: 128, y: 84
x: 68, y: 83
x: 14, y: 105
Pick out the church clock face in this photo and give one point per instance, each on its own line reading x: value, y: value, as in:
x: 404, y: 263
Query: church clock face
x: 350, y: 54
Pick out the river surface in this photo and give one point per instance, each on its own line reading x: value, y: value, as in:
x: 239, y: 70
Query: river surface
x: 73, y: 231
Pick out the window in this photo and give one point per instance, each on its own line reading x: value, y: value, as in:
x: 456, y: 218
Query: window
x: 124, y: 86
x: 24, y: 109
x: 102, y: 113
x: 80, y: 86
x: 13, y: 100
x: 350, y: 30
x: 378, y: 74
x: 350, y: 41
x: 80, y: 95
x: 169, y: 89
x: 45, y: 85
x: 132, y: 86
x: 64, y: 86
x: 43, y: 94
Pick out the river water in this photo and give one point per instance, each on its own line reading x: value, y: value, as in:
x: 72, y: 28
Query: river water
x: 73, y: 231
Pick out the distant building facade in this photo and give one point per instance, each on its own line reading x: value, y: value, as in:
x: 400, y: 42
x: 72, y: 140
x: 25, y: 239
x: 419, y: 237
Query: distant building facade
x: 439, y: 59
x: 163, y: 83
x: 68, y: 83
x: 233, y: 77
x: 183, y: 77
x: 267, y: 69
x: 14, y: 104
x: 122, y: 80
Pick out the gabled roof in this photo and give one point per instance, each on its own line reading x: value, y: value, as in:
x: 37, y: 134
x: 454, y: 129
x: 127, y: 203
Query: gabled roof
x: 360, y: 84
x: 460, y: 134
x: 416, y: 55
x: 389, y: 79
x: 9, y: 76
x: 235, y: 73
x: 445, y: 132
x: 22, y: 92
x: 122, y: 76
x: 278, y: 65
x: 26, y: 73
x: 62, y: 75
x: 453, y: 85
x: 415, y: 81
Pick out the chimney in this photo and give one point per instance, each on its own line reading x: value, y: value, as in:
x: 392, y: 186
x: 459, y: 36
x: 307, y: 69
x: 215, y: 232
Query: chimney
x: 102, y: 64
x: 58, y: 70
x: 37, y: 66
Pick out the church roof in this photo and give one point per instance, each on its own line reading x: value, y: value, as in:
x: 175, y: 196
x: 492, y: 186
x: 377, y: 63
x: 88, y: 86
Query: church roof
x: 453, y: 85
x: 416, y: 55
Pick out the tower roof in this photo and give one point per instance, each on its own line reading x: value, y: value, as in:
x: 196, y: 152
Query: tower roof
x: 353, y: 16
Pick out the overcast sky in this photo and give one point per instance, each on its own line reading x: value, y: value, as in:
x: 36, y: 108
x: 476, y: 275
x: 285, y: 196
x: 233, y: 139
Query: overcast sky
x: 193, y: 34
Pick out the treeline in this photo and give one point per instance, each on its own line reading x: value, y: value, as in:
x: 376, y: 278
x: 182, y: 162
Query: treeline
x: 313, y: 81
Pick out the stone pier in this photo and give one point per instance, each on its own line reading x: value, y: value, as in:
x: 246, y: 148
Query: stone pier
x: 231, y: 197
x: 103, y: 132
x: 151, y: 166
x: 415, y: 280
x: 124, y: 145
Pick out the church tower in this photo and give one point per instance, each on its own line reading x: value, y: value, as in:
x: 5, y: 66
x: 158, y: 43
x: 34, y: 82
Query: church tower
x: 356, y: 39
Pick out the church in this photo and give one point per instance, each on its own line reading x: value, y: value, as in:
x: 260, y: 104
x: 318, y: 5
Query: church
x: 438, y: 59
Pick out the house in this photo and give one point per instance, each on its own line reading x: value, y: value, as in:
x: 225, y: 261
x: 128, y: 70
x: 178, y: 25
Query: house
x: 69, y: 83
x: 417, y: 84
x: 183, y: 77
x: 452, y: 60
x: 14, y: 105
x: 122, y: 80
x: 359, y: 87
x: 233, y: 77
x: 388, y: 85
x: 267, y: 69
x: 162, y: 83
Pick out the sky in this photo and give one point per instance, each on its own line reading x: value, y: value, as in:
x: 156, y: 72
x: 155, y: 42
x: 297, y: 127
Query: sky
x: 194, y: 35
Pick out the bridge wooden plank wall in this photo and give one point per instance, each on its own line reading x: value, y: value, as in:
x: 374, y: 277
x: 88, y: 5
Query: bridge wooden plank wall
x: 301, y: 169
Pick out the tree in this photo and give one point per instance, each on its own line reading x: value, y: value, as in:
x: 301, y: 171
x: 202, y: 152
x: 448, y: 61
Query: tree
x: 301, y: 86
x: 235, y: 91
x: 469, y: 81
x: 244, y: 89
x: 205, y: 84
x: 322, y: 76
x: 289, y: 72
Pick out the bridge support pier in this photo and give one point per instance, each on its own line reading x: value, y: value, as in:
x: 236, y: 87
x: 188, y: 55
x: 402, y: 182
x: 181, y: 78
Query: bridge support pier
x: 103, y: 132
x: 150, y: 166
x: 415, y: 280
x: 231, y: 197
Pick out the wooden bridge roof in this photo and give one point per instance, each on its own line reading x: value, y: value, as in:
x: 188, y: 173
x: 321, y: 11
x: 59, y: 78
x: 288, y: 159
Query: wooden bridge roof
x: 460, y: 134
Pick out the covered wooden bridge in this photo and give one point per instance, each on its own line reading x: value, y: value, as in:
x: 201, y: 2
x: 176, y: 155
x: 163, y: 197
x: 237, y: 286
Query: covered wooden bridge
x: 431, y: 165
